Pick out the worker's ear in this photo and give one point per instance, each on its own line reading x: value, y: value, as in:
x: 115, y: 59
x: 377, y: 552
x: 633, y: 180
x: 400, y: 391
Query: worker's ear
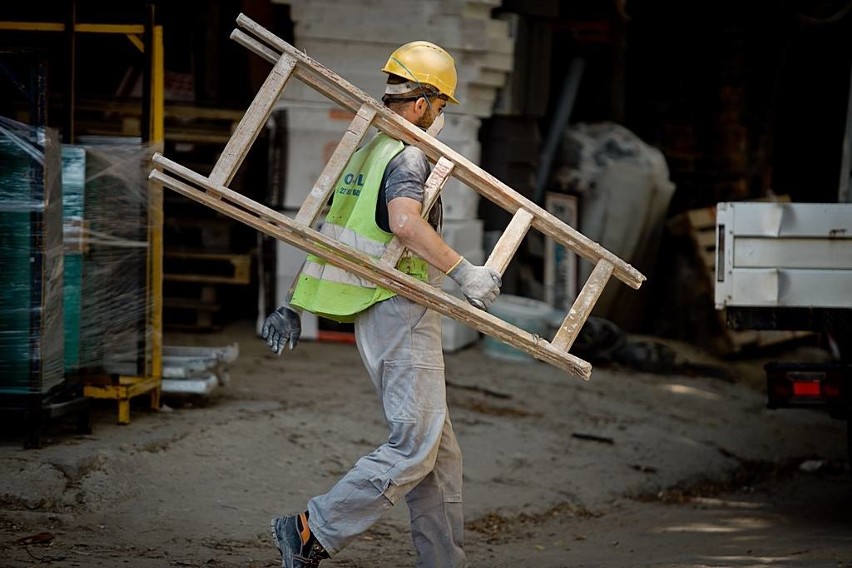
x: 421, y: 105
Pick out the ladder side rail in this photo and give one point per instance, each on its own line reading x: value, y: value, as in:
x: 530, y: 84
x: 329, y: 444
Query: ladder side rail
x: 252, y: 122
x: 341, y: 91
x: 434, y: 184
x: 583, y: 305
x: 279, y: 226
x: 310, y: 72
x: 324, y: 186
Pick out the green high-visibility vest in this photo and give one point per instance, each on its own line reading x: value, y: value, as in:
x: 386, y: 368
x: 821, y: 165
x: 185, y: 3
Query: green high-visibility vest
x: 333, y: 292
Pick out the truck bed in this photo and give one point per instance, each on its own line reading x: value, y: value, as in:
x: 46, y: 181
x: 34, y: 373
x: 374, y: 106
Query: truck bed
x: 784, y: 255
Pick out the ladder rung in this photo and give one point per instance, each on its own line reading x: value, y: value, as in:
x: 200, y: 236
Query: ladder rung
x: 509, y: 242
x: 583, y: 305
x: 434, y: 184
x: 317, y: 198
x: 255, y: 46
x: 252, y: 122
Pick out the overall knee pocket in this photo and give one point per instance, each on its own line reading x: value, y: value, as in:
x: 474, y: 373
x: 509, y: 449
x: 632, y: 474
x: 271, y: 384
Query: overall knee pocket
x: 416, y: 408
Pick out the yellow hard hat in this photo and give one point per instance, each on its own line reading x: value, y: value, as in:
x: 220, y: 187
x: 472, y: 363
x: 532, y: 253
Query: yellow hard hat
x: 425, y: 63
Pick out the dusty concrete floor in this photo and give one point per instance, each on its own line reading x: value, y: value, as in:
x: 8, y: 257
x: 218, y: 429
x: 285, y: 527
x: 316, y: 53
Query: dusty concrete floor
x: 629, y: 469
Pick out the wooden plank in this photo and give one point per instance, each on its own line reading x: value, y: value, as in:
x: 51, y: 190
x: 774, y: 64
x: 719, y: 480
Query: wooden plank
x: 33, y: 26
x: 252, y: 122
x: 82, y: 28
x: 209, y: 268
x: 230, y: 257
x: 509, y: 241
x: 171, y: 110
x: 207, y: 278
x: 304, y: 237
x: 434, y: 184
x: 704, y: 218
x: 317, y: 198
x: 190, y: 304
x: 347, y: 95
x: 110, y: 28
x: 706, y: 238
x: 764, y: 338
x: 583, y: 306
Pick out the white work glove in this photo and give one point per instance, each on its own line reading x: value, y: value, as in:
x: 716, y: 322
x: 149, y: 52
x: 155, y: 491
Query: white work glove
x: 479, y: 284
x: 281, y: 327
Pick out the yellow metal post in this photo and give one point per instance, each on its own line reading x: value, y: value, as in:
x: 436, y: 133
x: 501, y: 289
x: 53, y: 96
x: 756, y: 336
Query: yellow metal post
x: 157, y: 87
x: 156, y: 216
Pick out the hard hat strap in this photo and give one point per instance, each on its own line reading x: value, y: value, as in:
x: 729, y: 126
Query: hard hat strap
x: 401, y: 88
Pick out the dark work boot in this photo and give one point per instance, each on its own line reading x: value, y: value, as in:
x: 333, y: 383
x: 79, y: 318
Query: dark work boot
x: 298, y: 547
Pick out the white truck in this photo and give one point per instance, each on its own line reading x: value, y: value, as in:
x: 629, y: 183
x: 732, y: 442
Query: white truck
x: 788, y: 266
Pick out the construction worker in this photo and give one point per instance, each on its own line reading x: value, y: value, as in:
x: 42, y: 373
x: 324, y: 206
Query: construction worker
x: 380, y: 196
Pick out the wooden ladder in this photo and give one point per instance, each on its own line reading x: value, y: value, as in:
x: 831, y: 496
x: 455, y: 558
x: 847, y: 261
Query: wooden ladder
x: 212, y: 191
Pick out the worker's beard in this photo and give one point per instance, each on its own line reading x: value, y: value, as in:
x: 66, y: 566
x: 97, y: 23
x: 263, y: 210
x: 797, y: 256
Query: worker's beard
x: 426, y: 120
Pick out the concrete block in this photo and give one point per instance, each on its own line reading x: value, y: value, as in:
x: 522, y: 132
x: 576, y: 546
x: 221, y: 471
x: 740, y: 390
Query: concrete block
x: 463, y: 235
x: 456, y: 335
x: 313, y: 131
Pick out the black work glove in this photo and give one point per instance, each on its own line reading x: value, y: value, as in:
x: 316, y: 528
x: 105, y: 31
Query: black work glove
x: 283, y: 326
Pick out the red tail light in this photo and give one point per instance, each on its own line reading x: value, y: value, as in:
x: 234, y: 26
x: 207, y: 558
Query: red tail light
x: 797, y: 384
x: 832, y: 390
x: 807, y: 388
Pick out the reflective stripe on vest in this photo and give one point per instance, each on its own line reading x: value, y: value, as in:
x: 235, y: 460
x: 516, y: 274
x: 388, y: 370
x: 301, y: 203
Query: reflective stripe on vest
x: 349, y: 237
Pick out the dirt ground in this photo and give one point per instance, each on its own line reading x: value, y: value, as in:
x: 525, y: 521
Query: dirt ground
x: 628, y: 469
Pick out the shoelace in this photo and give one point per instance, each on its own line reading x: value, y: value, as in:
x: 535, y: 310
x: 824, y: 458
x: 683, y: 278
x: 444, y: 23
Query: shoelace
x: 316, y: 554
x: 307, y: 562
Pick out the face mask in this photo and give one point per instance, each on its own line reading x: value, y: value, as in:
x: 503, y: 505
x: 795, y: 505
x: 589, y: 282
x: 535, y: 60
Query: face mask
x: 437, y: 126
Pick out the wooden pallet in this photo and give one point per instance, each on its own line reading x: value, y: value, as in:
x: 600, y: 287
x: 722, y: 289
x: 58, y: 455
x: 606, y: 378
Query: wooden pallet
x: 183, y: 123
x: 190, y: 306
x: 189, y: 314
x: 289, y: 62
x: 209, y: 268
x: 699, y: 225
x: 208, y: 234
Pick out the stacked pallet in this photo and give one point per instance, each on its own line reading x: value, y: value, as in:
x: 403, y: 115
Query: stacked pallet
x: 184, y: 124
x: 193, y: 281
